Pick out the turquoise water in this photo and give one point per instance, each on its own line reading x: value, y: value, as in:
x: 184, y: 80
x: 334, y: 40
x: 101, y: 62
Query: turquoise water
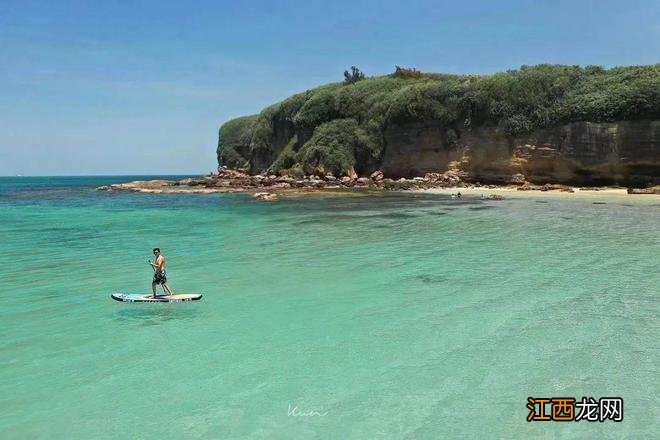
x: 389, y: 316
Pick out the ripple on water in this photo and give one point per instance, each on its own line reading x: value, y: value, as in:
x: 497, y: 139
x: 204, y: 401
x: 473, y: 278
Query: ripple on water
x: 323, y: 302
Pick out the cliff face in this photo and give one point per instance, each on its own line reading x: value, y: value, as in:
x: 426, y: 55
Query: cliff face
x: 586, y: 153
x: 542, y: 124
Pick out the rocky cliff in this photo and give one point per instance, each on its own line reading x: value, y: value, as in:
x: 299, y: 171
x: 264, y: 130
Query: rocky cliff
x: 584, y: 153
x: 543, y: 124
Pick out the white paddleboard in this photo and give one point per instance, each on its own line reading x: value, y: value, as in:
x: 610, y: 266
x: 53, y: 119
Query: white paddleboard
x: 127, y: 297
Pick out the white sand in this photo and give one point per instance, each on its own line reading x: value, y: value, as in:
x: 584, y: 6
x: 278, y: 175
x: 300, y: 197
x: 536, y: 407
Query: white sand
x: 605, y: 194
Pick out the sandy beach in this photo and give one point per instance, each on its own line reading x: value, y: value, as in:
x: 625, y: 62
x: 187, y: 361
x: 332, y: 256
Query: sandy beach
x: 604, y: 194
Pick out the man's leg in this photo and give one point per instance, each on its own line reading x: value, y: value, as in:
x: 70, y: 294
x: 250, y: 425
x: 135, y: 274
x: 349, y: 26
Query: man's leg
x: 166, y: 288
x: 153, y: 289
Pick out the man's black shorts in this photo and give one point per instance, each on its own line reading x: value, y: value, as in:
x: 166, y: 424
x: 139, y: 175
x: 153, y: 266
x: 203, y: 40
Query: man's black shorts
x: 160, y: 277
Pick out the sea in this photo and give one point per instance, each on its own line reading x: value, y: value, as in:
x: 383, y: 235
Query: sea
x: 324, y: 316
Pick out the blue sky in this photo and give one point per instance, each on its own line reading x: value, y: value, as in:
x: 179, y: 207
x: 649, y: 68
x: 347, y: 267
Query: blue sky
x: 126, y: 87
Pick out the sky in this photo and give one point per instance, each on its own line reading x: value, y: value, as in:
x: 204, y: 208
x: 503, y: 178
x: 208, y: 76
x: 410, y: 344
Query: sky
x: 141, y: 87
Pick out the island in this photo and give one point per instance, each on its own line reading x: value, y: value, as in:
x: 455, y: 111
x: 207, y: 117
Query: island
x: 546, y: 127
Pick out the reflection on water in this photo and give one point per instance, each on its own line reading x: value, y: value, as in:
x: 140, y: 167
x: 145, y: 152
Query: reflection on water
x: 148, y: 314
x: 477, y: 208
x: 429, y: 278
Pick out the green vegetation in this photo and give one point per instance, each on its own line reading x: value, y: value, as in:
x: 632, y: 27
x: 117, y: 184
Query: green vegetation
x: 331, y: 148
x: 233, y: 138
x: 404, y: 72
x: 345, y: 121
x: 287, y: 157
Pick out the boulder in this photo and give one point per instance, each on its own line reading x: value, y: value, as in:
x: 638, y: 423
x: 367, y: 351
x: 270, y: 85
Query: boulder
x: 281, y: 185
x: 376, y: 176
x: 187, y: 182
x: 285, y: 179
x: 226, y: 173
x: 517, y: 179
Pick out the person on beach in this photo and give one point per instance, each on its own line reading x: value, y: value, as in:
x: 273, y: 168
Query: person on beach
x: 160, y: 277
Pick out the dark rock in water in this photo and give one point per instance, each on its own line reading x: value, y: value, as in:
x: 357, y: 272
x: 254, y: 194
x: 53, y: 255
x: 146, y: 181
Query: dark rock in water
x: 480, y: 208
x: 431, y: 278
x: 495, y: 197
x: 555, y: 187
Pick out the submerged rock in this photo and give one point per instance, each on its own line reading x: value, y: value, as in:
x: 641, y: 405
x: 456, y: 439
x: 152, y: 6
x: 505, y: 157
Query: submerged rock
x: 265, y: 196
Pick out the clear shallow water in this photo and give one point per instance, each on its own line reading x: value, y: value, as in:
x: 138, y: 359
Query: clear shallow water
x: 394, y: 316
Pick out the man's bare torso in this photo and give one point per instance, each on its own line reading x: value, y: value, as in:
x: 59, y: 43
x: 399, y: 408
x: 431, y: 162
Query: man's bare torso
x: 161, y: 263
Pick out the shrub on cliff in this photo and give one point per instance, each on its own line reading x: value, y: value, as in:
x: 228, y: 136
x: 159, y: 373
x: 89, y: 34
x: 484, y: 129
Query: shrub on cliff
x: 287, y: 157
x: 332, y: 147
x: 234, y: 139
x: 405, y: 72
x: 317, y: 109
x: 619, y: 93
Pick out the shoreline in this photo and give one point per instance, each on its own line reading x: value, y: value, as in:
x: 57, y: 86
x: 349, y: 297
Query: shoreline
x: 514, y: 192
x: 270, y: 187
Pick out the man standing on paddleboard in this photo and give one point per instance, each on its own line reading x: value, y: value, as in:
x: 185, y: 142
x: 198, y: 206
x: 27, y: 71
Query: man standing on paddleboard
x: 159, y: 273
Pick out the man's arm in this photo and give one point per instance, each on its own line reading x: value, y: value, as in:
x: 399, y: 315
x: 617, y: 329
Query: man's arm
x: 158, y: 265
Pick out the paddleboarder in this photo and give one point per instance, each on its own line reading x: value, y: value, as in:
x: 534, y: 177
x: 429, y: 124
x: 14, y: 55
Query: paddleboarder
x: 160, y: 277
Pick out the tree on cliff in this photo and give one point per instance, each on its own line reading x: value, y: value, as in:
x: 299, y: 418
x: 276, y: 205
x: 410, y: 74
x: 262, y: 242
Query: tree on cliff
x: 353, y: 76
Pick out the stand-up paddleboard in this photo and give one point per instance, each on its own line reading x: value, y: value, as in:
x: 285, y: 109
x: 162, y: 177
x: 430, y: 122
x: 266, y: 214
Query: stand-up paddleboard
x: 142, y: 297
